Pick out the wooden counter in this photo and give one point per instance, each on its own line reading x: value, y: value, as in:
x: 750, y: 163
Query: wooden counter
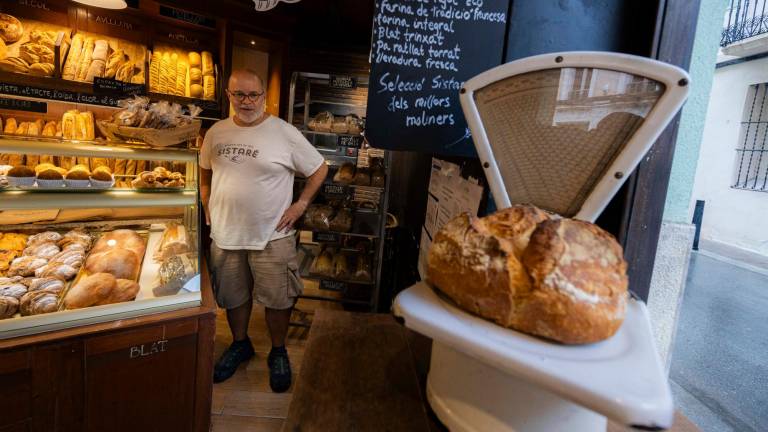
x: 147, y: 373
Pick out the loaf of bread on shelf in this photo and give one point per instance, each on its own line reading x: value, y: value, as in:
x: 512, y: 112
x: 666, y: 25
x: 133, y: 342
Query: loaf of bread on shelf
x: 124, y: 290
x: 154, y: 70
x: 560, y: 279
x: 11, y: 29
x: 100, y: 51
x: 49, y: 130
x: 84, y: 62
x: 207, y: 63
x: 164, y: 73
x: 175, y: 241
x: 209, y: 87
x: 69, y: 71
x: 36, y: 53
x: 90, y: 290
x: 10, y: 126
x: 115, y: 60
x: 323, y: 264
x: 121, y: 263
x: 195, y: 75
x: 125, y: 72
x: 181, y: 78
x: 14, y: 64
x: 122, y: 238
x: 41, y: 69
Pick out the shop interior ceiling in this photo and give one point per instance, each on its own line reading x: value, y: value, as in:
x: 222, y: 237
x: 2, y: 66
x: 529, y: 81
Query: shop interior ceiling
x: 325, y: 24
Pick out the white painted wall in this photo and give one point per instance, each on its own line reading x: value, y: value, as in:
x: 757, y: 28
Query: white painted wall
x: 737, y: 218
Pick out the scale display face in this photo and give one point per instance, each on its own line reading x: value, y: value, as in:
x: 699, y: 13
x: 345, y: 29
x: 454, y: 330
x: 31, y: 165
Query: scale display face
x: 555, y: 132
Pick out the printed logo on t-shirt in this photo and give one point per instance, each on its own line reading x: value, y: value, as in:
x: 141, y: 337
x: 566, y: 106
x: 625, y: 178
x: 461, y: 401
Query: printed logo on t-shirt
x: 236, y: 153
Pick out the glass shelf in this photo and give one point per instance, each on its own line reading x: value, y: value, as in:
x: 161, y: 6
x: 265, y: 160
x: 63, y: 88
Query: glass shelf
x: 98, y: 148
x: 14, y: 199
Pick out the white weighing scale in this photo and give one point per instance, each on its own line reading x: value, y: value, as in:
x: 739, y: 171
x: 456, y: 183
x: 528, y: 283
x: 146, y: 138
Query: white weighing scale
x: 562, y: 131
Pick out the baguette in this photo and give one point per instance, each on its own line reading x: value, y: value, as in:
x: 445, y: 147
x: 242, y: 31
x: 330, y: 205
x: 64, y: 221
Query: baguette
x: 100, y: 50
x: 181, y: 78
x: 154, y: 71
x: 130, y: 167
x: 119, y: 167
x: 165, y: 65
x: 73, y: 58
x: 85, y: 59
x: 69, y: 124
x: 209, y: 87
x: 207, y: 65
x: 87, y: 126
x: 97, y: 69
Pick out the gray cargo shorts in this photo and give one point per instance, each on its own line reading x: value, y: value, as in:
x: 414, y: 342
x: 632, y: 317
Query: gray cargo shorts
x: 269, y: 276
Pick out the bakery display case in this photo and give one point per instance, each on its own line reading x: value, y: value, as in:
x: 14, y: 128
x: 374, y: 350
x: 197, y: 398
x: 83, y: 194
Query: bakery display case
x: 32, y: 47
x: 343, y: 229
x: 78, y: 249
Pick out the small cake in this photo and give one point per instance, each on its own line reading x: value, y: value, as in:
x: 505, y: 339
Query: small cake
x: 78, y: 178
x: 102, y: 178
x: 21, y: 176
x: 50, y: 178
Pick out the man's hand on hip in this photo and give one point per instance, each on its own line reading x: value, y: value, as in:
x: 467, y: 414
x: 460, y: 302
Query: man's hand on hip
x: 291, y: 215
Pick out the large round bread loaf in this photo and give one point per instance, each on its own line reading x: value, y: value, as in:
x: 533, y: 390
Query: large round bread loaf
x: 121, y: 263
x: 90, y: 290
x: 561, y: 279
x: 120, y: 239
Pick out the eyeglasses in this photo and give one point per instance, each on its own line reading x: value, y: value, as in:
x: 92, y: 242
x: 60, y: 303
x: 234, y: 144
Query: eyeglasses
x: 241, y: 97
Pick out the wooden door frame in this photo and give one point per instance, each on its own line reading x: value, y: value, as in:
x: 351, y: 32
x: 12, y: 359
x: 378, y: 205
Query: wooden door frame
x: 673, y: 43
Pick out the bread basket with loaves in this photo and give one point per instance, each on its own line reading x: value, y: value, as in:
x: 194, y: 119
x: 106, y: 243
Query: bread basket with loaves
x: 159, y: 124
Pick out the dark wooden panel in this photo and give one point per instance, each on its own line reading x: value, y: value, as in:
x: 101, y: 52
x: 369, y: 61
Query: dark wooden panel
x: 57, y: 380
x: 123, y: 341
x: 204, y: 376
x: 357, y: 375
x: 676, y: 29
x: 16, y: 394
x: 147, y: 392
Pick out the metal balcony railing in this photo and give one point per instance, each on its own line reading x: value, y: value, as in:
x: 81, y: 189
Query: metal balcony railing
x: 744, y: 19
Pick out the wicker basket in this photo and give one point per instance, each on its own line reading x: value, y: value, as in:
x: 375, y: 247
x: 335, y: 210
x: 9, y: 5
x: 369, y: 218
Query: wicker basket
x: 153, y: 137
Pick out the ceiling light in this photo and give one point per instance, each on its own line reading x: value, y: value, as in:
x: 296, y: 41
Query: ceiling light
x: 253, y: 42
x: 106, y: 4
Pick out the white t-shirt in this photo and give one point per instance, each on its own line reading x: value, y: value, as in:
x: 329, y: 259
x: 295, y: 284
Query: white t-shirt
x: 252, y: 185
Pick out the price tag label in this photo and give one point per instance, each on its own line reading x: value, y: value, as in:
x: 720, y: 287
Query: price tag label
x: 335, y: 189
x: 111, y: 86
x: 23, y: 105
x: 342, y: 82
x: 325, y: 237
x: 332, y: 285
x: 353, y: 141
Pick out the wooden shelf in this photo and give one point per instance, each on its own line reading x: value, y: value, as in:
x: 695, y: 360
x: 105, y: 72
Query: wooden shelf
x: 101, y: 148
x: 32, y: 200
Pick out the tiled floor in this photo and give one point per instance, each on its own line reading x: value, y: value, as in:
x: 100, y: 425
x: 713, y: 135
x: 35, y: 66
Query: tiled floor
x: 245, y: 401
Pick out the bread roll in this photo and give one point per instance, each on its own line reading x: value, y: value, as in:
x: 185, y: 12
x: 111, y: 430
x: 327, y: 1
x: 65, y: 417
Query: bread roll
x: 121, y: 263
x: 194, y: 60
x: 69, y: 124
x: 196, y: 91
x: 207, y: 63
x: 41, y: 69
x: 14, y: 64
x: 85, y: 59
x: 49, y: 130
x: 90, y: 290
x: 73, y: 58
x: 33, y: 129
x: 23, y: 128
x: 154, y: 70
x: 209, y: 87
x: 560, y: 279
x: 181, y: 78
x: 125, y: 72
x: 10, y: 126
x: 36, y: 53
x: 195, y: 76
x: 11, y: 29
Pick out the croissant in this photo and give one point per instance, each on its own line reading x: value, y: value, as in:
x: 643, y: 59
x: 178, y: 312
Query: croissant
x: 39, y: 302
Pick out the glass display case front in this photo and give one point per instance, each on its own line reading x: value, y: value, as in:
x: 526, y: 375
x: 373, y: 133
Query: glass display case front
x: 94, y: 231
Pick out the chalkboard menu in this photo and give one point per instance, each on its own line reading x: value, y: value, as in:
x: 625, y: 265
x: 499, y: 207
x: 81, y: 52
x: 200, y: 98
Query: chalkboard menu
x: 422, y: 52
x: 23, y: 105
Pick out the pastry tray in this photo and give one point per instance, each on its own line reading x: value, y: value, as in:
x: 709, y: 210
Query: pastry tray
x: 144, y: 304
x: 307, y: 254
x: 81, y: 273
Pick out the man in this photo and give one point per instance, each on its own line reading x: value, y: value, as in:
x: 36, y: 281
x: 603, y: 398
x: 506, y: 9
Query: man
x: 247, y: 165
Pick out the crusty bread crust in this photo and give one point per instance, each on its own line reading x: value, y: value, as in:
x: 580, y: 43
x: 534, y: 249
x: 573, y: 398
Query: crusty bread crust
x: 560, y: 279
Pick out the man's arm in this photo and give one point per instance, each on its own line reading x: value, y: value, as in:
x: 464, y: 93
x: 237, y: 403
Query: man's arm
x: 294, y: 212
x: 205, y: 192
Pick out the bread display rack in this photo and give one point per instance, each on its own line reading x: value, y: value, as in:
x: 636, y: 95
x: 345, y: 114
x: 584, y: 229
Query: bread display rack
x: 95, y: 211
x: 561, y: 131
x: 358, y: 180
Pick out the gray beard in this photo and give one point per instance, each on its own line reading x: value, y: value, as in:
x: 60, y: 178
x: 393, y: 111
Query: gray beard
x: 249, y: 118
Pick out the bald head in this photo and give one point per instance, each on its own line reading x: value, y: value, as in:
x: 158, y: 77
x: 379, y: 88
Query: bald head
x: 246, y: 81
